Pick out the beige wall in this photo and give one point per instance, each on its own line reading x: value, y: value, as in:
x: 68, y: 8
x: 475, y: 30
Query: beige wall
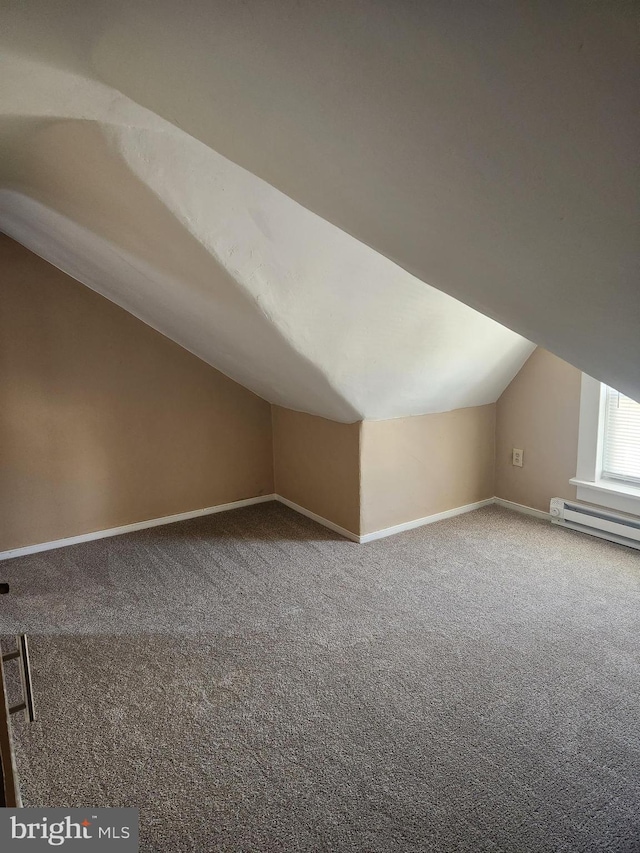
x: 104, y: 421
x: 539, y: 413
x: 317, y: 465
x: 418, y: 466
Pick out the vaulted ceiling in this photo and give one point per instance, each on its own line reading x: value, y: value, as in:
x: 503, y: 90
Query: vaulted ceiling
x: 354, y: 209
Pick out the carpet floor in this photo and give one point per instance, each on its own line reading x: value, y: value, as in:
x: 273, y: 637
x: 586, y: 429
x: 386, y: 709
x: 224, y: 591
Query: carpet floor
x: 251, y: 682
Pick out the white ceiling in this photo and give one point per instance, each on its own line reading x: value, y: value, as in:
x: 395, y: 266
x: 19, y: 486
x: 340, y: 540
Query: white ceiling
x: 487, y: 148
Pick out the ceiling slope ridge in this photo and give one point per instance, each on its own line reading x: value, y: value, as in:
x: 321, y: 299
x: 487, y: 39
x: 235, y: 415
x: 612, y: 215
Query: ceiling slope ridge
x: 229, y: 267
x: 276, y: 220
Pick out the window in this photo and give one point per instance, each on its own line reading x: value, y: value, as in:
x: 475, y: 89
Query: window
x: 608, y: 465
x: 621, y: 440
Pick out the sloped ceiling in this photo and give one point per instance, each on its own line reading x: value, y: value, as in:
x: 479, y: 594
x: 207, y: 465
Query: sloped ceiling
x: 170, y: 156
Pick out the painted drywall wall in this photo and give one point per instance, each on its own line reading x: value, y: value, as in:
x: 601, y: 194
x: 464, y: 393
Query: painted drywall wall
x: 317, y: 465
x: 419, y: 466
x: 539, y: 413
x: 488, y: 148
x: 235, y: 271
x: 104, y: 421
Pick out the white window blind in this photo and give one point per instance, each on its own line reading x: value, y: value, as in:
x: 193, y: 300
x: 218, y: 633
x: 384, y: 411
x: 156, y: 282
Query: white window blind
x: 621, y: 446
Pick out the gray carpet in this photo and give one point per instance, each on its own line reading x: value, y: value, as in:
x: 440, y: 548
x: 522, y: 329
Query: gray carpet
x: 254, y: 683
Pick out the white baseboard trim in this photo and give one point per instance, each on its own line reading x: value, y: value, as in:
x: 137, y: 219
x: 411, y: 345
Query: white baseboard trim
x: 420, y: 522
x: 130, y: 528
x: 319, y: 519
x: 526, y: 510
x: 210, y: 510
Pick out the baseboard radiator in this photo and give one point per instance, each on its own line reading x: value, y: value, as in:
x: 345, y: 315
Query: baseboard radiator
x: 617, y: 527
